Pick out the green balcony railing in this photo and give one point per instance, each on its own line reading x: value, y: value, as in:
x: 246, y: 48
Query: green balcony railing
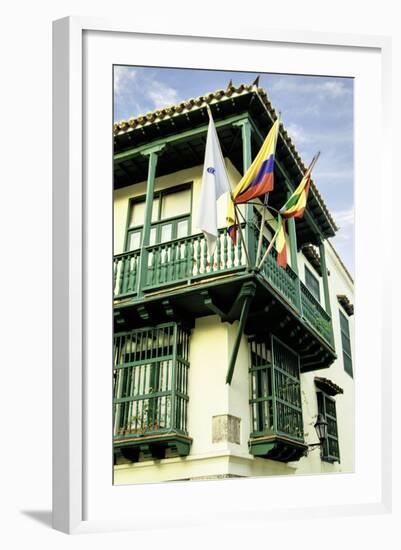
x: 316, y: 316
x: 283, y: 280
x: 185, y: 260
x: 125, y: 273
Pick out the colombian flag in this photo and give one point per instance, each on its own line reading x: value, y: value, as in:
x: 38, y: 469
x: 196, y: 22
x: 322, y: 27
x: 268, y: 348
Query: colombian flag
x: 257, y: 180
x: 280, y: 243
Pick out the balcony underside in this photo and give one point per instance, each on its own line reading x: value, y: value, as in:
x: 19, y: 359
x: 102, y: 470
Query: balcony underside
x: 223, y: 295
x: 154, y: 447
x: 276, y: 447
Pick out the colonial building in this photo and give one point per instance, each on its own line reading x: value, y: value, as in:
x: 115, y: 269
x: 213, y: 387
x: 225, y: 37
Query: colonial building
x: 221, y: 369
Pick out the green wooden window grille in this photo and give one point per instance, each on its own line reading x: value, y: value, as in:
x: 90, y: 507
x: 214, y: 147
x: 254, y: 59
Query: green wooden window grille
x: 327, y: 407
x: 150, y: 389
x: 346, y: 344
x: 171, y: 217
x: 312, y: 283
x: 275, y: 401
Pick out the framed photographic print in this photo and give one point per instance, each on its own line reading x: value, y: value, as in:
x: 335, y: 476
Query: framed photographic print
x: 204, y: 326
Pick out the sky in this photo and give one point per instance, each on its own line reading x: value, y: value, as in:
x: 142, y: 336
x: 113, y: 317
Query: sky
x: 317, y: 112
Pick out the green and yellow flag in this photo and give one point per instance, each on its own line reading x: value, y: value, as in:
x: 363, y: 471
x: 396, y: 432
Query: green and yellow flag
x: 280, y: 243
x: 295, y: 205
x: 293, y: 208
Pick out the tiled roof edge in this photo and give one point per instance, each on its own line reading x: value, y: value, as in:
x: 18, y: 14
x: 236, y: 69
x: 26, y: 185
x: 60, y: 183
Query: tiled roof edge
x: 125, y: 126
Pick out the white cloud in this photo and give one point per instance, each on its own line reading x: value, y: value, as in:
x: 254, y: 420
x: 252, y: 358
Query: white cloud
x: 336, y: 175
x: 162, y: 95
x: 297, y: 133
x: 344, y: 218
x: 326, y: 88
x: 139, y: 91
x: 344, y: 238
x: 334, y: 88
x: 123, y: 78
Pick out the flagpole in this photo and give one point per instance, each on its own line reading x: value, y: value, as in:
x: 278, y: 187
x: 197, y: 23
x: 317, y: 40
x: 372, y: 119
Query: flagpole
x: 268, y: 250
x: 241, y: 233
x: 262, y: 223
x: 313, y: 162
x: 265, y: 203
x: 209, y: 111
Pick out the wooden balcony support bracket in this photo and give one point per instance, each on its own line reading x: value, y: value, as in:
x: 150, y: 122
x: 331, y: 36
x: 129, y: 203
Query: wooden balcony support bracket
x: 270, y: 306
x: 315, y: 364
x: 295, y: 331
x: 210, y: 303
x: 168, y: 309
x: 313, y: 355
x: 234, y: 313
x: 173, y: 312
x: 284, y: 322
x: 118, y: 318
x: 143, y: 313
x: 247, y: 293
x: 307, y: 348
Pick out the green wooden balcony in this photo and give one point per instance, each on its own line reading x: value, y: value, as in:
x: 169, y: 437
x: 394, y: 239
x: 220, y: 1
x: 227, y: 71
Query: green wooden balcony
x: 151, y: 392
x: 276, y: 404
x: 184, y: 262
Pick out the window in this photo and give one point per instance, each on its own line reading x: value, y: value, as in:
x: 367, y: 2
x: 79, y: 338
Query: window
x: 171, y: 211
x: 275, y: 390
x: 346, y: 343
x: 312, y: 283
x: 150, y: 382
x: 327, y: 407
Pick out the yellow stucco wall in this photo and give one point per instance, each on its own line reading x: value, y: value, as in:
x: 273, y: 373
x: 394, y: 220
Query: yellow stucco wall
x: 210, y: 346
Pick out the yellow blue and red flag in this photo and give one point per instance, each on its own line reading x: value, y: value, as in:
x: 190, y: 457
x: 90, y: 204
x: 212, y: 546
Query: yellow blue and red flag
x: 257, y: 180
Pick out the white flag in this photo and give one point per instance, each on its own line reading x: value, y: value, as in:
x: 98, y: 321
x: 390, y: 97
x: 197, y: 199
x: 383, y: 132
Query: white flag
x: 215, y: 183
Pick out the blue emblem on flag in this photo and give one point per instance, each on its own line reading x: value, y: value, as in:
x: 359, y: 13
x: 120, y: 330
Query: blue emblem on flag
x: 211, y: 170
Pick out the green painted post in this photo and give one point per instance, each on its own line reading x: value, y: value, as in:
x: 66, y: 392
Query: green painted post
x: 273, y: 382
x: 323, y: 268
x: 152, y: 153
x: 248, y: 292
x: 173, y: 409
x: 240, y: 330
x: 246, y: 134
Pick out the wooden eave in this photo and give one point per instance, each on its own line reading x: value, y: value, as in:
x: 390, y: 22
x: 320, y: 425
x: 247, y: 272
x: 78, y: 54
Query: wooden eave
x: 190, y: 119
x: 327, y: 386
x: 313, y: 257
x: 344, y: 301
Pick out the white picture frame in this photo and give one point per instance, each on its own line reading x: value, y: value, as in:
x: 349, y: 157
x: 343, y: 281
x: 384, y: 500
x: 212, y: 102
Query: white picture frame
x: 76, y: 40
